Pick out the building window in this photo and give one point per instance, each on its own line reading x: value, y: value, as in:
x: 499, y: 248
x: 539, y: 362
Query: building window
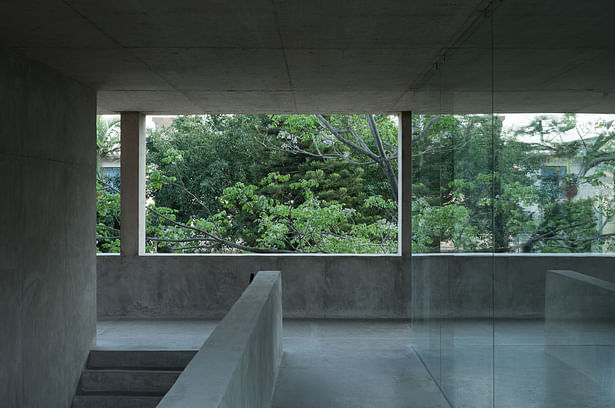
x: 111, y: 175
x: 553, y: 181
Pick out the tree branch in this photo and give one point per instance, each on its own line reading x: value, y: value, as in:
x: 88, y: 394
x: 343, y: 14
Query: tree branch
x: 207, y: 234
x: 342, y: 139
x: 215, y: 238
x: 384, y: 161
x: 423, y: 133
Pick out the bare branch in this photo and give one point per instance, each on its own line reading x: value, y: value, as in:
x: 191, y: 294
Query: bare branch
x: 178, y: 240
x: 209, y: 235
x: 342, y: 139
x: 429, y: 124
x: 218, y: 239
x: 384, y: 161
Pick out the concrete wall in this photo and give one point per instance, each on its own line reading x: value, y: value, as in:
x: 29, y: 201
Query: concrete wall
x: 470, y: 286
x: 443, y: 285
x: 573, y: 296
x: 579, y: 315
x: 239, y: 362
x: 187, y: 286
x: 47, y: 218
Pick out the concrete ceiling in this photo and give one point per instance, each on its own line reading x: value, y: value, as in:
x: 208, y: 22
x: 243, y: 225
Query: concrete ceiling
x: 531, y: 56
x: 255, y: 56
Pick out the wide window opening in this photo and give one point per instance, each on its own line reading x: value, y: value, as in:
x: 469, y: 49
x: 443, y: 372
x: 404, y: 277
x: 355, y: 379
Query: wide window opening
x: 272, y: 184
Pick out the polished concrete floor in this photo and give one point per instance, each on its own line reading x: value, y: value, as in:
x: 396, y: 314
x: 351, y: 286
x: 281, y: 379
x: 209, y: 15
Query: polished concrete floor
x: 341, y: 363
x: 326, y: 364
x: 329, y: 363
x: 519, y: 363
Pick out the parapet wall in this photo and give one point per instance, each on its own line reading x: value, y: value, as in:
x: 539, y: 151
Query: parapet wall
x: 337, y: 286
x: 238, y: 364
x: 206, y: 286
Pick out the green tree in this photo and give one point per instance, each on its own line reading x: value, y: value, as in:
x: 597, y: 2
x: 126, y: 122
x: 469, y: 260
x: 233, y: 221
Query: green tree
x: 107, y: 199
x: 107, y: 139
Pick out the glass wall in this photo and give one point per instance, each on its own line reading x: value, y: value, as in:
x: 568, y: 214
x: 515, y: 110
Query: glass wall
x: 513, y: 291
x: 554, y: 309
x: 454, y: 185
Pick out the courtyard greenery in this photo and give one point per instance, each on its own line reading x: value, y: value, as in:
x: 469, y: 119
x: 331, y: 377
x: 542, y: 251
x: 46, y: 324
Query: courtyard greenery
x: 328, y: 184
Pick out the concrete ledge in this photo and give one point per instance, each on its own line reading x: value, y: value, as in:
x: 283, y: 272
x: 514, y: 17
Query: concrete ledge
x: 239, y: 362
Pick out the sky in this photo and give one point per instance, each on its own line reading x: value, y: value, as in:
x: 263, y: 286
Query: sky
x: 511, y: 121
x: 585, y: 122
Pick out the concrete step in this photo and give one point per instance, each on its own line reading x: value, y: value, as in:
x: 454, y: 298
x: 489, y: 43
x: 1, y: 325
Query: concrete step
x: 126, y: 382
x: 140, y: 360
x: 115, y: 401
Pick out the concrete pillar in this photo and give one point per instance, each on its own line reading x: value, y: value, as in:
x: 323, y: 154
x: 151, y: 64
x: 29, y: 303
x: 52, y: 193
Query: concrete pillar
x: 405, y: 183
x: 132, y: 184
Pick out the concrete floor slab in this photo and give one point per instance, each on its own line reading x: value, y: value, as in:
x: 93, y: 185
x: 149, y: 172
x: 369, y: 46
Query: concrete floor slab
x: 373, y: 363
x: 341, y: 363
x: 515, y: 363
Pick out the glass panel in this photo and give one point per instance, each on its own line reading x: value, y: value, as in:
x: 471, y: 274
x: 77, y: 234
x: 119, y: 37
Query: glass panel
x: 527, y: 318
x: 467, y: 327
x: 554, y: 296
x: 454, y: 183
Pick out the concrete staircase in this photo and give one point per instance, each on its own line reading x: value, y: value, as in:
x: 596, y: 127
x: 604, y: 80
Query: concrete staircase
x: 129, y: 379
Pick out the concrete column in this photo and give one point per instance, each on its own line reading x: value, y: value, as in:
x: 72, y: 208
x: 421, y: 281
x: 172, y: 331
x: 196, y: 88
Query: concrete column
x: 132, y: 184
x: 405, y: 183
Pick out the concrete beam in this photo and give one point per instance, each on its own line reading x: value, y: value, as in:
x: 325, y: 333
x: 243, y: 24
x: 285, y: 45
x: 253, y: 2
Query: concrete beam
x: 132, y: 184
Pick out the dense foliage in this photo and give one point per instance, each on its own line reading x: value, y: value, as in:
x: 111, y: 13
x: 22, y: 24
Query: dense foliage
x: 328, y: 183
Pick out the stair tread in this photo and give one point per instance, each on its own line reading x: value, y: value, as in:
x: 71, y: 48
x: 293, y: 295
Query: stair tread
x: 129, y: 378
x: 122, y: 381
x: 130, y: 370
x: 115, y: 401
x: 140, y: 359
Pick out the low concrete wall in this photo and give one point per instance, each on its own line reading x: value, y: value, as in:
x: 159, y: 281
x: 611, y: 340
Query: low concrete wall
x: 492, y: 285
x: 338, y: 286
x: 206, y: 286
x: 579, y: 314
x: 574, y: 296
x: 239, y: 362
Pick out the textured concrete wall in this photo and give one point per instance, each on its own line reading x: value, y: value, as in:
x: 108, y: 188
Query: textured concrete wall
x: 573, y: 296
x: 47, y: 217
x: 166, y: 286
x: 484, y: 286
x: 239, y: 362
x: 579, y: 314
